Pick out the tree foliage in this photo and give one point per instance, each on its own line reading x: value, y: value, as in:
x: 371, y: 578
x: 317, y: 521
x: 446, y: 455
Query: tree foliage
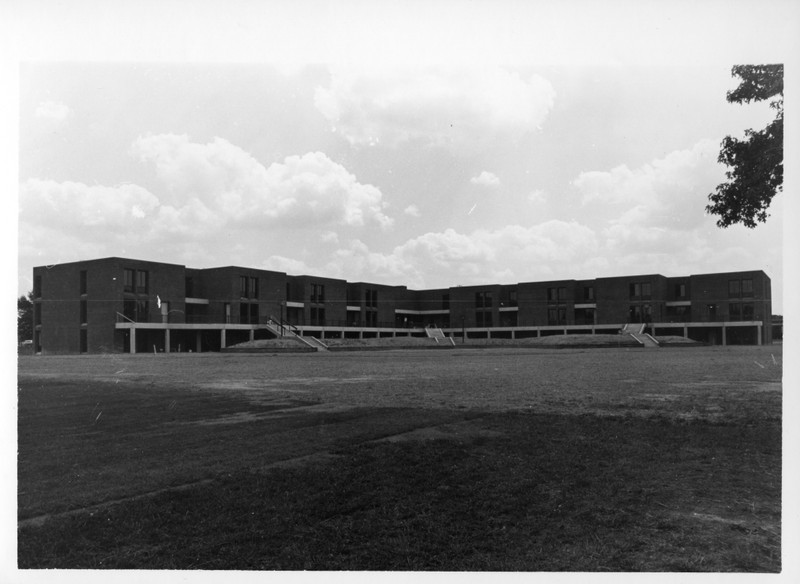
x: 755, y: 163
x: 25, y: 317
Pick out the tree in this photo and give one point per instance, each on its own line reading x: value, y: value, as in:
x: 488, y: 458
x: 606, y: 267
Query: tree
x: 755, y: 164
x: 25, y: 317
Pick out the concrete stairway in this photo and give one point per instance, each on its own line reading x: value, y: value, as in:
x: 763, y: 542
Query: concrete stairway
x: 636, y: 330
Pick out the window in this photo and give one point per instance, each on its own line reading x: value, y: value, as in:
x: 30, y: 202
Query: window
x: 84, y: 340
x: 253, y: 287
x: 562, y: 294
x: 37, y: 313
x: 83, y: 282
x: 734, y: 288
x: 243, y: 291
x: 680, y: 290
x: 735, y: 311
x: 371, y: 298
x: 635, y: 290
x: 83, y: 312
x: 317, y: 293
x: 317, y: 316
x: 562, y: 315
x: 646, y: 290
x: 141, y: 281
x: 127, y: 280
x: 142, y: 311
x: 747, y: 288
x: 552, y: 316
x: 37, y: 286
x: 483, y: 300
x: 588, y: 293
x: 483, y: 319
x: 445, y: 302
x: 552, y: 294
x: 254, y: 313
x: 512, y: 298
x: 748, y: 312
x: 189, y: 287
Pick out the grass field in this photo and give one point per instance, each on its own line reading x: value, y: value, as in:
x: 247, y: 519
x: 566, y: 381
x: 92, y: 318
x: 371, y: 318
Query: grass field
x: 466, y: 459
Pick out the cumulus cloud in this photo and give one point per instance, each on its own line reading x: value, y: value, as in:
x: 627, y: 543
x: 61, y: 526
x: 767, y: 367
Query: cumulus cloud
x: 537, y: 197
x: 234, y: 187
x: 412, y: 210
x: 75, y: 205
x: 667, y: 192
x: 486, y: 179
x: 53, y: 111
x: 450, y: 108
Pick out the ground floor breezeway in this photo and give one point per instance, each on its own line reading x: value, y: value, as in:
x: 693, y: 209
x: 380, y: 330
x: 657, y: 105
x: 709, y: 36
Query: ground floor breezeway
x: 172, y: 337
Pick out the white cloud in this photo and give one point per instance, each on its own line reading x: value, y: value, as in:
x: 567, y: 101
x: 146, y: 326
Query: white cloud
x: 459, y: 108
x: 486, y: 179
x: 54, y: 111
x: 235, y: 188
x: 669, y: 192
x: 412, y: 210
x: 537, y: 197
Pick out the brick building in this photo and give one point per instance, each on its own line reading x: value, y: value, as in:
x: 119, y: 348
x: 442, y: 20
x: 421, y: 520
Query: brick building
x: 126, y: 305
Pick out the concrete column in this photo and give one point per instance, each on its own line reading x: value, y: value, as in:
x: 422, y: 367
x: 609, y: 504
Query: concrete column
x: 198, y: 342
x: 133, y: 340
x: 513, y: 335
x: 489, y: 334
x: 760, y: 328
x: 166, y: 340
x: 724, y: 336
x: 222, y: 339
x: 252, y: 334
x: 538, y: 332
x: 686, y: 331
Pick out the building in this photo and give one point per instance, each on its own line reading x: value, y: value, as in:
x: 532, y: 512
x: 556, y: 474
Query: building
x: 125, y: 305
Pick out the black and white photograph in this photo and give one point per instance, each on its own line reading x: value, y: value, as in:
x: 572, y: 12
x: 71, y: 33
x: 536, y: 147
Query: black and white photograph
x: 440, y: 289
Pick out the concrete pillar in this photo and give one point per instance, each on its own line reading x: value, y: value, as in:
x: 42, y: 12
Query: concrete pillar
x: 489, y: 334
x: 133, y: 340
x: 252, y: 334
x: 513, y: 335
x: 166, y: 340
x: 538, y: 332
x: 222, y: 339
x: 759, y: 333
x: 198, y: 342
x: 686, y: 331
x: 724, y: 336
x: 360, y: 334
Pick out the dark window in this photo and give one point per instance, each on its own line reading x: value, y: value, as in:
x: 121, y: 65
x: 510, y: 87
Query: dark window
x: 588, y: 293
x: 127, y: 280
x: 317, y: 293
x: 84, y: 341
x: 129, y: 309
x: 635, y: 290
x: 734, y: 288
x: 83, y: 282
x: 680, y: 290
x: 243, y: 291
x: 189, y: 287
x: 445, y: 302
x: 37, y: 286
x: 142, y: 311
x: 37, y: 313
x: 735, y: 311
x: 748, y: 312
x: 747, y: 288
x: 142, y: 278
x: 254, y: 313
x: 552, y: 294
x: 371, y: 298
x: 254, y: 287
x: 552, y: 316
x: 562, y: 294
x: 512, y: 298
x: 83, y: 311
x: 317, y: 316
x: 646, y: 291
x: 562, y: 315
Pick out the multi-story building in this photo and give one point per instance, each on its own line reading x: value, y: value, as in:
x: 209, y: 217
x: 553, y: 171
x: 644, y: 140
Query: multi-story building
x: 126, y: 305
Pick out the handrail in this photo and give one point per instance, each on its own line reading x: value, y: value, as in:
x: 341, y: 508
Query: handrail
x: 125, y: 317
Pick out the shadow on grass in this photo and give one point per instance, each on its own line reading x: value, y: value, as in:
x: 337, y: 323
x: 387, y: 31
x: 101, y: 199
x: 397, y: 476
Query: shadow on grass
x: 549, y: 493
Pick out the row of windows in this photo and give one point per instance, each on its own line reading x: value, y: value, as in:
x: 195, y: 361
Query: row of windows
x: 740, y: 288
x: 371, y: 298
x: 248, y: 287
x: 135, y: 281
x: 642, y: 290
x: 559, y: 294
x: 318, y: 293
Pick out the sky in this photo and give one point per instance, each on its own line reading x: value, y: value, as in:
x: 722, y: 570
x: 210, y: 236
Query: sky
x: 405, y: 147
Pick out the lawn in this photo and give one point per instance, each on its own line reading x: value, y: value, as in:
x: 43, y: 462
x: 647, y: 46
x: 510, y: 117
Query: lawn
x: 467, y: 459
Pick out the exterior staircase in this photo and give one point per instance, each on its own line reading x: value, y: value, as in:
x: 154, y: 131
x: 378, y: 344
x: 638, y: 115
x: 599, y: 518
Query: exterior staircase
x: 286, y: 331
x: 636, y: 330
x: 438, y: 335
